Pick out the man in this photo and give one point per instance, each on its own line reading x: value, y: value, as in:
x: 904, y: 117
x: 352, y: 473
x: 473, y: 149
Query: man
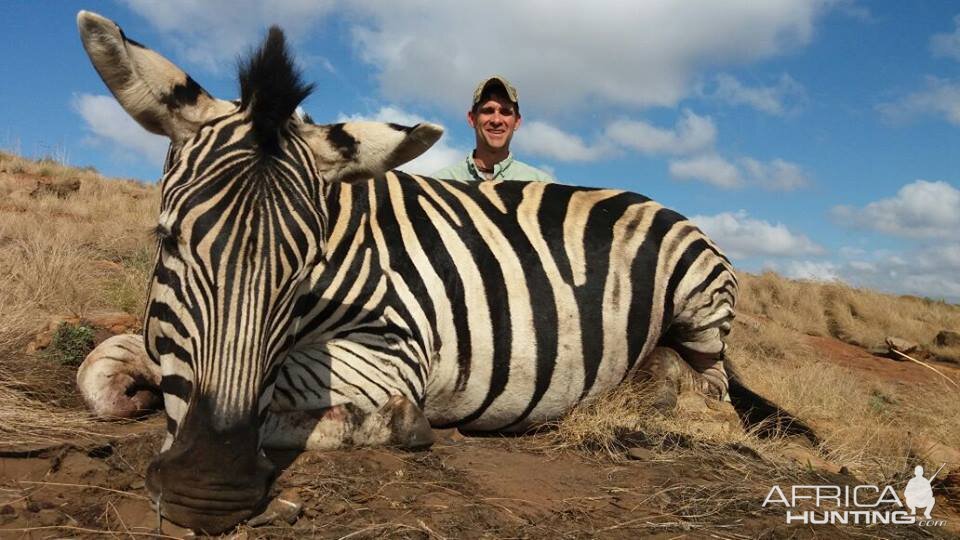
x: 494, y: 117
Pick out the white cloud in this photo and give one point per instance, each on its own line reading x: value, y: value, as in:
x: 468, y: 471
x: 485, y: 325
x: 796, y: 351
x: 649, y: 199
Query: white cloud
x: 947, y: 45
x: 692, y: 133
x: 851, y: 252
x: 709, y: 168
x: 618, y: 44
x: 851, y: 9
x: 932, y: 271
x: 862, y: 266
x: 213, y: 33
x: 543, y: 139
x: 812, y: 270
x: 636, y: 54
x: 109, y: 123
x: 940, y: 98
x: 920, y: 209
x: 741, y: 236
x: 777, y: 175
x: 440, y: 155
x: 768, y: 99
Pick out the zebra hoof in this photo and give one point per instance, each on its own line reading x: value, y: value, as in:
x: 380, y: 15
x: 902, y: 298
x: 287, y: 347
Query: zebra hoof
x: 664, y: 398
x: 409, y: 427
x: 663, y: 369
x: 707, y: 416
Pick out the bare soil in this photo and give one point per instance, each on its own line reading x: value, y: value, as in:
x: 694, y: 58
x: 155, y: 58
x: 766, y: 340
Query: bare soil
x: 464, y: 487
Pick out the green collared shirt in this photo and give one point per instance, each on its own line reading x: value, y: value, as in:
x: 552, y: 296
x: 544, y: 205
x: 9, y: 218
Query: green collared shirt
x: 508, y: 169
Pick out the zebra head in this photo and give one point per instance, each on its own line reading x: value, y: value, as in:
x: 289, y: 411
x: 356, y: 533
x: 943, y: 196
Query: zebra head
x: 242, y: 225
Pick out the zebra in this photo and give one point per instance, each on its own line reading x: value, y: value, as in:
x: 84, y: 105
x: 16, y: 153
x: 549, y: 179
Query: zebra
x: 307, y: 295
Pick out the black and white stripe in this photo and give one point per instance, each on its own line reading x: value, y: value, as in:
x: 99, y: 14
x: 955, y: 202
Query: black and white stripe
x: 498, y: 305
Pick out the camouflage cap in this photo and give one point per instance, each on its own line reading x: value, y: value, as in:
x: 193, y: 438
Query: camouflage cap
x: 495, y: 80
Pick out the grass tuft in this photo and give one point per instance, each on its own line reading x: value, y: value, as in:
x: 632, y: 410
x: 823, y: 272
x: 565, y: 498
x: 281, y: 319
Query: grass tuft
x: 71, y: 343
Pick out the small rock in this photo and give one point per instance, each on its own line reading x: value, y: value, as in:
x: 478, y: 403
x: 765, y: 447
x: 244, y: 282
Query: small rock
x: 115, y: 322
x: 45, y: 336
x: 901, y: 345
x: 947, y: 338
x: 337, y: 508
x: 450, y: 436
x: 139, y: 484
x: 640, y: 454
x: 49, y: 518
x: 284, y: 508
x: 170, y: 528
x: 111, y: 322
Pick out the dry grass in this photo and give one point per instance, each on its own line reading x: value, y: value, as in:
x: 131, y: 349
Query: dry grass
x: 624, y: 418
x: 603, y: 427
x: 58, y: 256
x: 857, y: 316
x: 61, y: 256
x: 28, y: 424
x: 869, y: 424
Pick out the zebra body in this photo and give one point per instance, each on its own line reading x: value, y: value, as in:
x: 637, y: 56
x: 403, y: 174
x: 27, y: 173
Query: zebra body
x: 304, y: 296
x: 508, y: 302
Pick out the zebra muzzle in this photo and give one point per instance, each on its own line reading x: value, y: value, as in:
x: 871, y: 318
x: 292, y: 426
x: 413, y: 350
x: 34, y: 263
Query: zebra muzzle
x: 211, y: 480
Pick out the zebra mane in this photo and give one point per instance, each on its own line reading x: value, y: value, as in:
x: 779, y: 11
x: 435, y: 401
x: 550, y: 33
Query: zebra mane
x: 270, y: 85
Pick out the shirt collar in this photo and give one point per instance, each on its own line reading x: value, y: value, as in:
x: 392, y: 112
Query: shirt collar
x: 498, y: 169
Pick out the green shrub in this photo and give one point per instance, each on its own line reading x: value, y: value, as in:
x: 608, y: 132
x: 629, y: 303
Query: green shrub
x: 71, y: 343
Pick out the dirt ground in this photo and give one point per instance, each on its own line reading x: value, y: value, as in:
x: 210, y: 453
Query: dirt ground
x: 464, y: 487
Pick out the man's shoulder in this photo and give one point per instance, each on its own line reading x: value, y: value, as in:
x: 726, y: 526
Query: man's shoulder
x: 457, y: 171
x: 522, y: 171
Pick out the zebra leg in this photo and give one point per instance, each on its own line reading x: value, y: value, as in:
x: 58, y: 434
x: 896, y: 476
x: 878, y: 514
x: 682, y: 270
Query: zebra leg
x: 397, y: 423
x: 118, y: 379
x: 711, y: 373
x: 668, y: 375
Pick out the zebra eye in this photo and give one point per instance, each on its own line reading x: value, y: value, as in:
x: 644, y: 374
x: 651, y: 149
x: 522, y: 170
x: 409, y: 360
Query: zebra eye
x: 167, y: 240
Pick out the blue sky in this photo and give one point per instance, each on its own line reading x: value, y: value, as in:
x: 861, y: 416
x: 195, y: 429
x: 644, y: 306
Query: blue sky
x: 818, y: 139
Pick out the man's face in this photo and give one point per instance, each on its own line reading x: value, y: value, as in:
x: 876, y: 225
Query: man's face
x: 494, y: 121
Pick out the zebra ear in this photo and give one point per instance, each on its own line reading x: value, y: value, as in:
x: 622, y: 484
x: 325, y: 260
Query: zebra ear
x: 156, y: 93
x: 355, y: 150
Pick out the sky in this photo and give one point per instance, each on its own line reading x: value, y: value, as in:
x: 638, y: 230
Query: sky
x: 817, y: 139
